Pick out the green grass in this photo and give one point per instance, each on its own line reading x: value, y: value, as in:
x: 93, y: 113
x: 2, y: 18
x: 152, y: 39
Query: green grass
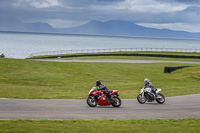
x: 128, y: 58
x: 30, y: 79
x: 101, y: 126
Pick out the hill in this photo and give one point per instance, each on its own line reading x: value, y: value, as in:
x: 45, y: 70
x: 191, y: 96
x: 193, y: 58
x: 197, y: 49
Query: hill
x: 18, y: 26
x: 123, y: 28
x: 109, y: 28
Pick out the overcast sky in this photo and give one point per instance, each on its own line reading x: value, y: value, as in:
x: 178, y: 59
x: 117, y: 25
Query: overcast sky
x: 171, y: 14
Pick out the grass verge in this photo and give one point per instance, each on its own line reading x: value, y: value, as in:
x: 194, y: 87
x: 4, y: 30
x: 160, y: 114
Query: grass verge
x: 101, y: 56
x: 30, y: 79
x: 99, y: 126
x: 128, y: 58
x: 127, y: 52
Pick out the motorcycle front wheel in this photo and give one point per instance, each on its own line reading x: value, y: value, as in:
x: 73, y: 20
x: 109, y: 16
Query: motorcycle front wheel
x: 91, y: 101
x: 140, y: 99
x: 160, y: 98
x: 116, y: 102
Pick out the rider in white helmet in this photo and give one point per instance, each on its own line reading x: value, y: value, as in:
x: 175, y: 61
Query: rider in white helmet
x: 147, y: 84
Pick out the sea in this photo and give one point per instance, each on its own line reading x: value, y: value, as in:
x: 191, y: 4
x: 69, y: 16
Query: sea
x: 22, y: 45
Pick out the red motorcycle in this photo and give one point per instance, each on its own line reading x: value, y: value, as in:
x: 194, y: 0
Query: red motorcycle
x: 98, y: 97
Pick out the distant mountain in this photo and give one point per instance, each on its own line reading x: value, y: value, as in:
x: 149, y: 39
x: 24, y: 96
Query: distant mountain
x: 123, y: 28
x: 109, y: 28
x: 19, y: 26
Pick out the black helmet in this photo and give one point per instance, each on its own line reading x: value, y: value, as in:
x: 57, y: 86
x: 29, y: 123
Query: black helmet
x: 98, y: 82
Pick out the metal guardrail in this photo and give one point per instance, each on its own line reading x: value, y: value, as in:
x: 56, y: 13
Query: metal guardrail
x: 113, y: 50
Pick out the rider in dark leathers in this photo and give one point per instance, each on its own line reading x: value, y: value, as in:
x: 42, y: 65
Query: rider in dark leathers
x: 103, y: 87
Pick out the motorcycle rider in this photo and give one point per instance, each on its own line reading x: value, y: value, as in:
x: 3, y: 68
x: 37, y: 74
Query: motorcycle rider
x: 148, y: 84
x: 103, y: 87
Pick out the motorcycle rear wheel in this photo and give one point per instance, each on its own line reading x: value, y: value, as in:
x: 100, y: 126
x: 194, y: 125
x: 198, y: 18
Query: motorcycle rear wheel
x: 140, y: 99
x: 91, y: 101
x: 116, y: 102
x: 160, y: 99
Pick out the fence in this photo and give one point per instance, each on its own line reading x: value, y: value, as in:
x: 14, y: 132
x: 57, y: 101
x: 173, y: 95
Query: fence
x: 113, y: 50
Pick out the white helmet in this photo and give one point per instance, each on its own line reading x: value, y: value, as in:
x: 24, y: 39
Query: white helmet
x: 146, y: 80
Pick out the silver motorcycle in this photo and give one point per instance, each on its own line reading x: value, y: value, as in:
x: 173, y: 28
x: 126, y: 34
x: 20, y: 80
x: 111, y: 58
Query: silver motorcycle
x: 146, y: 94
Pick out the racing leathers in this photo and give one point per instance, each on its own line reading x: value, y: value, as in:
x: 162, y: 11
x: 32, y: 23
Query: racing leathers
x: 106, y: 90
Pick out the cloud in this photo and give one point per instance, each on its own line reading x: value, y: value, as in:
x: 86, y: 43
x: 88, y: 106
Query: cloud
x: 66, y: 13
x: 153, y: 6
x: 181, y: 1
x: 45, y: 3
x: 37, y: 3
x: 143, y: 6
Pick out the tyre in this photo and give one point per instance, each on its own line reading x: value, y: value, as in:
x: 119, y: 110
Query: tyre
x: 160, y: 98
x: 140, y: 99
x: 116, y: 102
x: 91, y: 101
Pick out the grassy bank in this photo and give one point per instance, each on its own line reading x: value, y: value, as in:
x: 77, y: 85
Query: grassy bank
x: 128, y: 58
x: 99, y: 126
x: 123, y: 53
x: 30, y: 79
x: 101, y: 56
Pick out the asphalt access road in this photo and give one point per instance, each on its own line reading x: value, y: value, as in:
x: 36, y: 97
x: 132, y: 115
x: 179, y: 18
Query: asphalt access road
x: 174, y: 107
x: 124, y: 61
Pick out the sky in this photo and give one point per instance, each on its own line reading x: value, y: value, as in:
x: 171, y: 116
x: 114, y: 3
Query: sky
x: 181, y: 15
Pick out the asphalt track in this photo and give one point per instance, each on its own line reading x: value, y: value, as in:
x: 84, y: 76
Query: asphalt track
x: 125, y: 61
x: 175, y: 107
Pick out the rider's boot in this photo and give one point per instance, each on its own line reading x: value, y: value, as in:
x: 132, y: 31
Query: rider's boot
x: 110, y: 97
x: 154, y: 93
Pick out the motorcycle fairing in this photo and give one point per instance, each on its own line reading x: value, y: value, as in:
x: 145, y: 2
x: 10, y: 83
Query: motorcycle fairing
x: 114, y: 92
x: 158, y: 90
x: 102, y: 100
